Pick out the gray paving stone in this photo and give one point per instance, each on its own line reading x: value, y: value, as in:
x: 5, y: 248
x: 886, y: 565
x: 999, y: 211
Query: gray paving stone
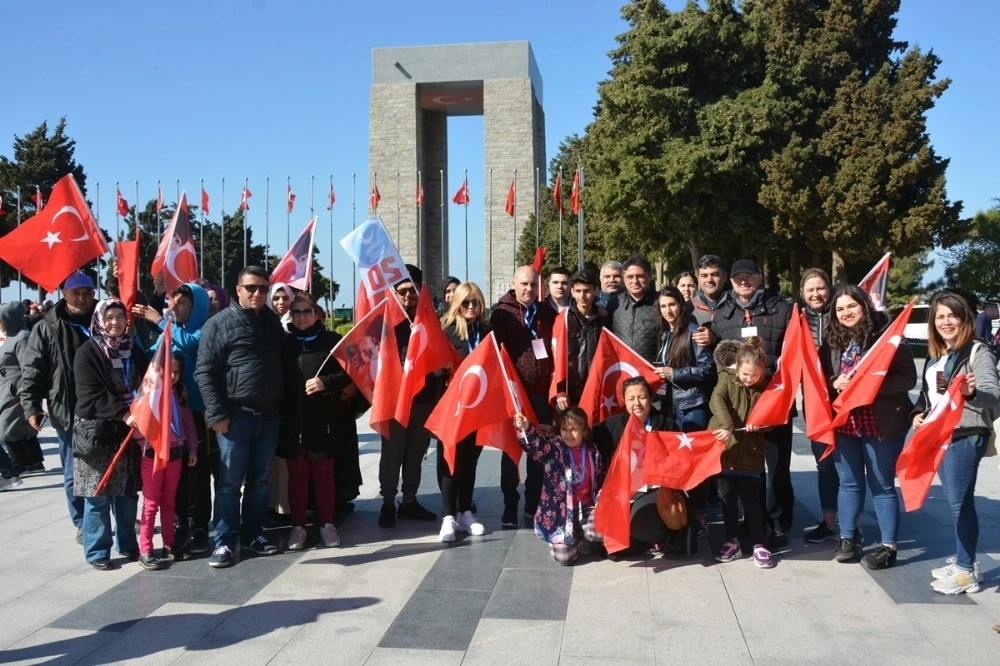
x: 437, y: 619
x: 531, y: 594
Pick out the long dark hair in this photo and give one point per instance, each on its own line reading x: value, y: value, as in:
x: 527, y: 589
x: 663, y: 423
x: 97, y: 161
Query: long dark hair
x: 678, y: 350
x: 838, y: 335
x: 936, y: 345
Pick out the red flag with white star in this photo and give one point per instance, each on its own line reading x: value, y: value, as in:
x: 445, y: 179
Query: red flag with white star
x: 332, y: 197
x: 153, y: 405
x: 614, y: 362
x: 57, y: 240
x: 682, y: 460
x: 389, y: 376
x: 176, y: 257
x: 291, y: 199
x: 245, y: 195
x: 626, y: 474
x: 204, y: 201
x: 560, y: 355
x: 462, y: 195
x: 122, y: 204
x: 574, y: 197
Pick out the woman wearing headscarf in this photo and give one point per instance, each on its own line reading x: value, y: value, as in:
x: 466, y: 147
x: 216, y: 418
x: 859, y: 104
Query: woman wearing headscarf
x: 279, y: 299
x: 107, y: 370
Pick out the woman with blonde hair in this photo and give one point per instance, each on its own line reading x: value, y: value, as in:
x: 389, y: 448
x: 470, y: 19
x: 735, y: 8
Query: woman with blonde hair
x: 466, y: 325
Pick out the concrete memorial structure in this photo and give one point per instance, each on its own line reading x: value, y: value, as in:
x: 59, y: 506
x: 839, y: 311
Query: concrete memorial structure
x: 414, y: 91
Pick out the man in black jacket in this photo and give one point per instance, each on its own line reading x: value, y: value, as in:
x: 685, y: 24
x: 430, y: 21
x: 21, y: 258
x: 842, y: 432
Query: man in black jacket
x: 240, y: 377
x: 637, y: 319
x: 47, y: 374
x: 750, y: 310
x: 585, y: 321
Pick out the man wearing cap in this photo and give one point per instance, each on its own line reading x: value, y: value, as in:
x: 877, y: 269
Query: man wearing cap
x: 47, y: 375
x: 240, y: 377
x: 750, y: 310
x: 405, y: 447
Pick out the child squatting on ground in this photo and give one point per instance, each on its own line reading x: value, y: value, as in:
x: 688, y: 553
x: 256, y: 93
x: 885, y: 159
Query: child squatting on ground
x: 741, y: 381
x: 159, y: 490
x: 572, y: 475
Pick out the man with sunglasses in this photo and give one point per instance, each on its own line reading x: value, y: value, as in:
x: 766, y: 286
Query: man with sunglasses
x: 240, y: 377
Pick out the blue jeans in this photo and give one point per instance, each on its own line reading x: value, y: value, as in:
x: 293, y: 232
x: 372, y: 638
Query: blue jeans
x: 689, y: 420
x: 74, y: 503
x: 826, y: 477
x: 245, y: 454
x: 868, y: 458
x: 958, y: 472
x: 97, y: 535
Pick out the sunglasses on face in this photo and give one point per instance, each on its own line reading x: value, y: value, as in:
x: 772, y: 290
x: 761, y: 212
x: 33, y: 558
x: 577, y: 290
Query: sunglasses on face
x: 470, y: 303
x: 254, y: 288
x: 302, y: 313
x: 406, y: 291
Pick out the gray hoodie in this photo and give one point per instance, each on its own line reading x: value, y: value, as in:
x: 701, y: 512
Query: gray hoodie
x: 13, y: 426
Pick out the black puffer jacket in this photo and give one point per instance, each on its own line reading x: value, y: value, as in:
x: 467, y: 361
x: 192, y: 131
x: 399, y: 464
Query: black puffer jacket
x: 818, y: 321
x: 239, y: 362
x: 47, y: 366
x: 769, y: 314
x: 321, y: 421
x: 637, y: 323
x: 582, y: 336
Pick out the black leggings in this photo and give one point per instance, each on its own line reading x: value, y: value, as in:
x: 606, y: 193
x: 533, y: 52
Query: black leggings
x: 457, y: 488
x: 745, y: 489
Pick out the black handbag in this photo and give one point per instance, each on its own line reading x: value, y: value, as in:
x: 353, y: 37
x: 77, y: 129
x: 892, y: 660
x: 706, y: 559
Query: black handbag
x: 95, y: 437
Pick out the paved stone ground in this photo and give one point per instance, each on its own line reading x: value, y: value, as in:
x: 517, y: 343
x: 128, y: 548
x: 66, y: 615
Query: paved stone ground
x: 399, y: 596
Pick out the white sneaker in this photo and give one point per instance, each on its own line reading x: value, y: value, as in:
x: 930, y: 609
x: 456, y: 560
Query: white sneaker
x: 469, y: 522
x: 12, y: 482
x: 328, y: 533
x: 949, y: 569
x: 958, y: 582
x: 297, y: 539
x: 448, y: 528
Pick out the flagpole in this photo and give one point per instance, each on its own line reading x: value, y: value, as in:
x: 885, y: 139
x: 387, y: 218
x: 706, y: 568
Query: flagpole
x: 159, y: 222
x: 579, y: 224
x: 560, y: 219
x: 332, y: 308
x: 371, y: 195
x: 201, y: 234
x: 354, y: 225
x: 536, y: 214
x: 117, y: 216
x: 222, y: 234
x: 177, y: 183
x: 444, y: 270
x: 136, y: 216
x: 515, y: 219
x: 466, y: 185
x: 490, y: 277
x: 19, y: 283
x: 267, y: 218
x: 97, y: 214
x: 398, y: 243
x: 420, y: 219
x: 246, y: 214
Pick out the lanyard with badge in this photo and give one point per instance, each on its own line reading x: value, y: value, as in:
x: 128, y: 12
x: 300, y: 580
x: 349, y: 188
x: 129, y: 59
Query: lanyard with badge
x: 531, y: 323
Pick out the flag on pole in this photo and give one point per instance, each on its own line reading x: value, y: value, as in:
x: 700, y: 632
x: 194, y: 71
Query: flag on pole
x: 378, y: 261
x: 389, y: 376
x: 682, y: 460
x: 176, y: 257
x: 127, y: 255
x: 245, y: 198
x: 613, y: 363
x: 122, y: 204
x: 39, y: 202
x: 2, y: 211
x: 775, y: 403
x: 626, y: 474
x: 291, y: 199
x: 815, y: 394
x: 153, y: 407
x: 57, y: 240
x: 295, y: 268
x: 332, y: 197
x: 462, y: 195
x: 375, y: 198
x: 560, y: 355
x: 159, y: 199
x: 511, y: 206
x: 358, y: 351
x: 204, y: 201
x: 557, y: 193
x: 574, y: 197
x: 420, y: 194
x: 875, y: 283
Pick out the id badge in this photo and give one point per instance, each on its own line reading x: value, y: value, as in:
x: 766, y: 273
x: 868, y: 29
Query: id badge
x: 748, y: 331
x: 116, y: 363
x: 539, y: 346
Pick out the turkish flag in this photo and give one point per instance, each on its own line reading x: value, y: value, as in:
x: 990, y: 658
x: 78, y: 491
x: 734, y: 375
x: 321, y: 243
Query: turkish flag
x: 332, y: 197
x: 176, y: 258
x: 429, y: 350
x: 626, y: 474
x: 39, y: 202
x: 204, y: 201
x: 57, y: 240
x: 462, y: 195
x: 815, y: 395
x: 358, y: 350
x: 291, y: 199
x: 245, y: 198
x: 375, y: 198
x: 159, y: 199
x: 922, y: 455
x: 774, y: 404
x: 557, y: 193
x: 295, y: 268
x: 122, y: 204
x: 574, y: 197
x: 682, y: 460
x: 153, y: 407
x: 479, y: 399
x: 389, y: 375
x: 868, y: 374
x: 511, y: 206
x: 537, y: 262
x: 420, y: 194
x: 363, y: 303
x: 502, y: 434
x: 560, y: 355
x: 613, y: 363
x: 127, y: 254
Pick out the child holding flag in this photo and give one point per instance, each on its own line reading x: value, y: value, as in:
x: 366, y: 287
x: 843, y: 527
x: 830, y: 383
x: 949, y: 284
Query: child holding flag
x: 572, y: 474
x: 741, y: 381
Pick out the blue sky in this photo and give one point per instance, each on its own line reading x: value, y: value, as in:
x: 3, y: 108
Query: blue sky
x: 251, y: 89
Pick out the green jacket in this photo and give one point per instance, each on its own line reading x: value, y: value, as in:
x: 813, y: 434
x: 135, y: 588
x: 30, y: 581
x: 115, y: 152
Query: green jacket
x: 731, y: 402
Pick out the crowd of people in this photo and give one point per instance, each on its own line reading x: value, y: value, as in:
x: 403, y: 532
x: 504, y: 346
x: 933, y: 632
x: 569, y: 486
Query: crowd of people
x: 269, y: 419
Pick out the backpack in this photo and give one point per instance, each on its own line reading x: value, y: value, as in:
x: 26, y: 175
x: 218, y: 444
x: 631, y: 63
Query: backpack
x: 991, y: 443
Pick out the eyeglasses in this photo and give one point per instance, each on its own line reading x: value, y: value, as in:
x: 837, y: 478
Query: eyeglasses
x: 302, y: 313
x: 470, y: 303
x: 254, y: 288
x: 406, y: 291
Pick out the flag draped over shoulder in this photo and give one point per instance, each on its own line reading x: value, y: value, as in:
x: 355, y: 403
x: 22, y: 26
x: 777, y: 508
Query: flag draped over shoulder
x: 176, y: 257
x: 378, y: 261
x: 922, y: 455
x: 775, y: 403
x: 682, y: 460
x: 153, y: 407
x: 482, y: 397
x: 57, y: 240
x: 626, y: 474
x: 613, y: 363
x: 358, y: 351
x: 428, y: 350
x: 127, y: 255
x: 295, y: 268
x: 389, y: 375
